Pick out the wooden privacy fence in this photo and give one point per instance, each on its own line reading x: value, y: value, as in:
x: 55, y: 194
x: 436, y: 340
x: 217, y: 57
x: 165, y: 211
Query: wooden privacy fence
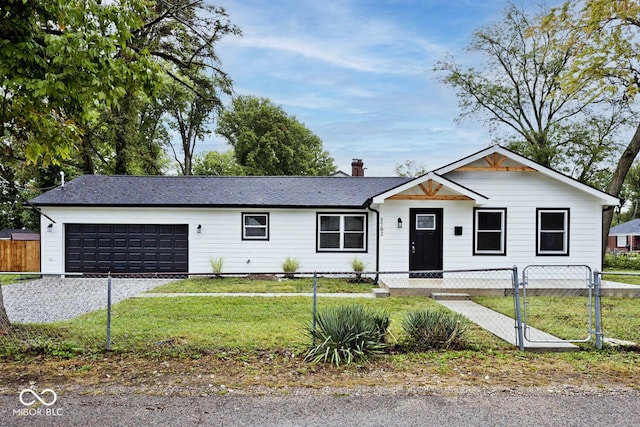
x: 19, y: 255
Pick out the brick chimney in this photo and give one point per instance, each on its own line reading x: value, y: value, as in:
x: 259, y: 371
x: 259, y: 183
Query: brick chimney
x: 357, y: 167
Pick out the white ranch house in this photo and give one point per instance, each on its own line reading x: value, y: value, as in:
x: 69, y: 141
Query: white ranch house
x: 492, y: 209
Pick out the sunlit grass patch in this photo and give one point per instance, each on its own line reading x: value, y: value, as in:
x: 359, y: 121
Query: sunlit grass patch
x: 235, y: 284
x: 567, y: 317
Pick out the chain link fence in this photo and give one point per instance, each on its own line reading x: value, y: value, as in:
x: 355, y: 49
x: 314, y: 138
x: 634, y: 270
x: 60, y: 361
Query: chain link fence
x: 620, y: 308
x: 196, y: 313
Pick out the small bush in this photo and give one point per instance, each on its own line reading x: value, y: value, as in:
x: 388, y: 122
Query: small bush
x: 216, y: 265
x: 434, y: 329
x: 347, y: 333
x: 290, y: 266
x: 358, y: 267
x: 621, y: 261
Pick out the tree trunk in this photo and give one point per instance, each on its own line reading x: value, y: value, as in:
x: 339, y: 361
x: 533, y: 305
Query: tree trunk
x: 619, y: 175
x: 5, y: 325
x: 85, y: 155
x: 122, y: 136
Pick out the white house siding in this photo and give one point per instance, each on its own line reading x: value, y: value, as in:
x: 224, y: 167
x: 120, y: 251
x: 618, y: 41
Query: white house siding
x: 394, y: 247
x: 292, y: 232
x: 521, y: 193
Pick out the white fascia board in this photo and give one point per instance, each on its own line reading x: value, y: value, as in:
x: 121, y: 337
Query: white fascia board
x: 479, y: 198
x: 606, y: 199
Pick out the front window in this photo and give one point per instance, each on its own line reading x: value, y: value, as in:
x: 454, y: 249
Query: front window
x: 490, y: 232
x: 425, y: 222
x: 553, y: 231
x: 621, y: 241
x: 342, y: 232
x: 255, y: 226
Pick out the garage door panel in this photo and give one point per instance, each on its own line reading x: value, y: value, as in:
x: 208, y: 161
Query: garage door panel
x: 119, y: 242
x: 120, y: 229
x: 126, y: 248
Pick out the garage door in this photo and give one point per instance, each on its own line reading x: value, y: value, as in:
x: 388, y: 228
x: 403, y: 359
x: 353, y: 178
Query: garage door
x: 126, y: 248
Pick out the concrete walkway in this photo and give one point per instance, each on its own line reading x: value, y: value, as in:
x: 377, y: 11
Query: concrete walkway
x: 504, y: 327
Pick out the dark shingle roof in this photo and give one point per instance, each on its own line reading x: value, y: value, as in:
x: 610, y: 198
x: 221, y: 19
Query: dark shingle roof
x: 227, y: 191
x: 12, y: 233
x: 629, y: 227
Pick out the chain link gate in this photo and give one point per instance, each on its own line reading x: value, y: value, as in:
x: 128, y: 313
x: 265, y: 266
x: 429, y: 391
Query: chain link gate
x: 564, y: 292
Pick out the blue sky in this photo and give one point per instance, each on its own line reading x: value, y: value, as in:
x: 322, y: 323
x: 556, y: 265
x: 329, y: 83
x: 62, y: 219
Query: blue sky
x: 359, y: 74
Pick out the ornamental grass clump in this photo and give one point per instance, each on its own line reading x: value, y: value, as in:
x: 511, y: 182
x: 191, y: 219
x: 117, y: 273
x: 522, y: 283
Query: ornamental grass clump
x: 434, y: 329
x: 345, y: 334
x: 290, y: 266
x: 358, y: 266
x: 216, y: 266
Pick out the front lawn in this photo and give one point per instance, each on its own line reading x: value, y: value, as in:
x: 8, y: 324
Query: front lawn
x: 195, y: 324
x: 243, y: 284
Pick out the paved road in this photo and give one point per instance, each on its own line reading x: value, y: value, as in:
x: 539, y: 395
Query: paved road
x: 476, y: 408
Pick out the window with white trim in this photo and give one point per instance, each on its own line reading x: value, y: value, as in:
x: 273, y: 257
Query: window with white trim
x: 621, y: 241
x: 552, y: 231
x: 255, y: 226
x: 425, y: 222
x: 489, y: 237
x: 341, y: 232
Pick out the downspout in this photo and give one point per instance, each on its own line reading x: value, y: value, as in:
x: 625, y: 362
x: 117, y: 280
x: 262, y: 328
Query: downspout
x: 377, y: 239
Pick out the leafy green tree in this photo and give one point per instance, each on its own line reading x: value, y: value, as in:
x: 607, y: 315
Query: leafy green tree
x: 217, y: 164
x: 70, y: 70
x: 57, y: 69
x: 180, y: 36
x: 191, y: 113
x: 267, y: 141
x: 604, y: 37
x: 518, y: 91
x: 59, y: 65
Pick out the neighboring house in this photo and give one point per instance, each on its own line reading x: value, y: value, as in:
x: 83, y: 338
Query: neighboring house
x: 492, y: 209
x: 18, y: 234
x: 625, y: 237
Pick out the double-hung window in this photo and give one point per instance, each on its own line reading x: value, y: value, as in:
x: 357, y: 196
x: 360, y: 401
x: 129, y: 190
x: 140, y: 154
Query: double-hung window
x: 552, y: 231
x: 255, y: 226
x: 490, y: 234
x: 342, y: 232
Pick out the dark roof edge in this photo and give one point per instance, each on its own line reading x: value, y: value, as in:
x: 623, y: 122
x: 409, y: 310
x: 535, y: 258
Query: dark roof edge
x: 244, y: 206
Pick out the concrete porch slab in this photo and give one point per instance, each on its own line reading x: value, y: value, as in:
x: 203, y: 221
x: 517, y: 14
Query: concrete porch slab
x: 405, y: 286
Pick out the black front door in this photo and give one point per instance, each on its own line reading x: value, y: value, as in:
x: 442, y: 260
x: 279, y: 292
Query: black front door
x: 425, y: 240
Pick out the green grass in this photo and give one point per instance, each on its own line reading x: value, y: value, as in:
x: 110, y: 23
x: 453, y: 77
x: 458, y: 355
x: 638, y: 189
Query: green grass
x: 186, y: 324
x: 244, y: 285
x: 7, y: 279
x: 566, y: 317
x: 631, y: 279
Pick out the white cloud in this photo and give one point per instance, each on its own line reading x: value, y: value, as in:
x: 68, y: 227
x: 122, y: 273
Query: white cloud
x: 358, y: 74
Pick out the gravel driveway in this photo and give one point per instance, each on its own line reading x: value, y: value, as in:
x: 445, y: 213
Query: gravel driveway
x: 54, y: 298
